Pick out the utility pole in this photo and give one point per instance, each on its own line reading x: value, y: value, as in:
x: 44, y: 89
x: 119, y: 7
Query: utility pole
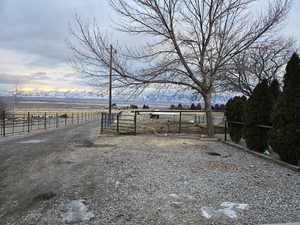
x: 110, y: 80
x: 15, y: 98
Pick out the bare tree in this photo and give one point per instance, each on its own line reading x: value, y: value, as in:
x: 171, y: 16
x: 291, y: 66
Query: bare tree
x: 263, y: 60
x: 190, y: 42
x: 3, y: 105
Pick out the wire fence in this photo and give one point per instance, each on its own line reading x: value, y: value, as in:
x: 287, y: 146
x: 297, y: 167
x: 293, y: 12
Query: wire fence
x: 20, y: 123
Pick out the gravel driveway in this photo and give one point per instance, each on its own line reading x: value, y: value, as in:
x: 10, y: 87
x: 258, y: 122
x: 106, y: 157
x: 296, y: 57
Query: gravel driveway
x: 147, y: 180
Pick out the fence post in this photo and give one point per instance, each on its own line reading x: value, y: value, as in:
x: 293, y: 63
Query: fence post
x: 23, y: 124
x: 28, y: 122
x: 56, y: 119
x: 3, y: 122
x: 31, y: 122
x: 109, y: 120
x: 66, y: 117
x: 118, y: 129
x: 225, y: 131
x: 72, y: 118
x: 103, y: 119
x: 135, y: 122
x: 101, y: 122
x: 38, y: 121
x: 13, y: 125
x: 45, y: 121
x: 180, y: 115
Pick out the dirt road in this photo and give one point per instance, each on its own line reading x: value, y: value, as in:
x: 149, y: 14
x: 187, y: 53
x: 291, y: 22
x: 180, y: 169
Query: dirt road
x: 142, y: 180
x: 33, y: 166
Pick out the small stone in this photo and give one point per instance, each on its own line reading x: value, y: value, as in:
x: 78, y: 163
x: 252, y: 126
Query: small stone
x: 176, y: 205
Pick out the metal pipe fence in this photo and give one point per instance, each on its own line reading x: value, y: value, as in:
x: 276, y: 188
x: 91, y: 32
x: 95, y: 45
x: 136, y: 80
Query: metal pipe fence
x: 164, y: 121
x: 242, y: 124
x: 19, y: 123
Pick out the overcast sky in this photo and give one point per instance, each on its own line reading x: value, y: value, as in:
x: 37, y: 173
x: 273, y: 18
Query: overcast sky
x: 33, y: 35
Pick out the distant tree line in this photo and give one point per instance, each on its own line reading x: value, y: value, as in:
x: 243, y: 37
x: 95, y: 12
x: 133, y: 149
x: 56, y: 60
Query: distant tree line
x: 133, y: 106
x: 216, y: 107
x: 270, y: 106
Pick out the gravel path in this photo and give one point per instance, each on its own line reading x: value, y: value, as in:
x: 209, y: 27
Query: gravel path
x: 147, y: 180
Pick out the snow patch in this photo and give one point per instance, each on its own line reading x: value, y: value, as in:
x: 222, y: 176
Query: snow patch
x: 31, y: 142
x: 183, y: 197
x: 228, y: 212
x: 77, y: 211
x: 235, y: 205
x: 207, y: 212
x: 229, y: 209
x: 174, y: 196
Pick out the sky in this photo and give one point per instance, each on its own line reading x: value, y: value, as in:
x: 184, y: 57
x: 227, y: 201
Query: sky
x: 33, y: 50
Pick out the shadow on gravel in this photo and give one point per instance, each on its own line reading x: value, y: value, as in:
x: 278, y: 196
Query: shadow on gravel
x: 90, y: 144
x: 213, y: 154
x: 44, y: 196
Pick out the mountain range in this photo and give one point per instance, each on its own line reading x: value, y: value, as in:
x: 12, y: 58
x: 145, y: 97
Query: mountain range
x: 168, y: 97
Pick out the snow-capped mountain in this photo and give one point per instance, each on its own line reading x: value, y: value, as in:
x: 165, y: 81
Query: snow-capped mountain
x: 148, y: 97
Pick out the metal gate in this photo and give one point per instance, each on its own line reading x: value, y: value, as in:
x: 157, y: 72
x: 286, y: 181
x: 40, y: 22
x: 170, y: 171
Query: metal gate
x: 120, y: 123
x: 143, y: 122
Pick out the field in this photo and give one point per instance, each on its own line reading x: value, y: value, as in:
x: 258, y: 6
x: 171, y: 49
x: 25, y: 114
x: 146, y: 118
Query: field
x: 54, y: 107
x: 166, y: 122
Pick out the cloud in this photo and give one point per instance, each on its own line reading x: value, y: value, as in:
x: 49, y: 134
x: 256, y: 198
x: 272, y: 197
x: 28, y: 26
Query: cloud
x: 41, y: 27
x: 72, y: 75
x: 33, y: 36
x: 39, y: 76
x: 22, y: 79
x: 11, y: 79
x: 2, y: 3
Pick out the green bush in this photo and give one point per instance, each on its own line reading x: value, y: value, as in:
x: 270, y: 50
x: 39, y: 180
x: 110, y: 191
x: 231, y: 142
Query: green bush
x: 64, y: 116
x: 284, y: 138
x: 275, y: 90
x: 259, y: 109
x: 235, y: 111
x: 198, y: 107
x: 172, y: 107
x: 146, y: 107
x: 132, y: 106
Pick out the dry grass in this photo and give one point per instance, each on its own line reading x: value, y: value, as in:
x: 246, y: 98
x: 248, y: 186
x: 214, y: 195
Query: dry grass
x: 57, y: 107
x: 153, y: 127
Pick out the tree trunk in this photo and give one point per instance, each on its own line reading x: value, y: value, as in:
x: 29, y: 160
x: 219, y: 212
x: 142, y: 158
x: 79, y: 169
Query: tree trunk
x: 209, y: 116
